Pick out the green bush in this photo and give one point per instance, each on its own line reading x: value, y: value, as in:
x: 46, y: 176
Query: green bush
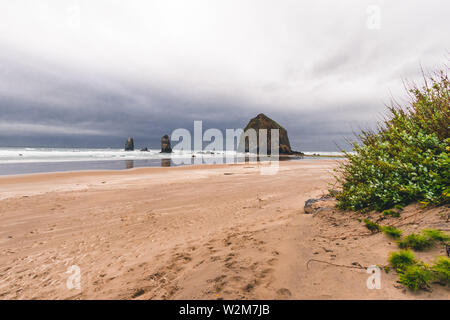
x: 416, y: 277
x: 416, y: 241
x: 372, y: 226
x: 402, y: 259
x: 392, y: 232
x: 441, y: 270
x: 406, y: 159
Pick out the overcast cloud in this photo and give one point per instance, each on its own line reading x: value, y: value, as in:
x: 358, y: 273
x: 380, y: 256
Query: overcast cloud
x: 91, y: 73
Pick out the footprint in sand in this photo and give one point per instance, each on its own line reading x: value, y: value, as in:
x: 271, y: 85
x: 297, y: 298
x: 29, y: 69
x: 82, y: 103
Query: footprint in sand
x: 284, y: 293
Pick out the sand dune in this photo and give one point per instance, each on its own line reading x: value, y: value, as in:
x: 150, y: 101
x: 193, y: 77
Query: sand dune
x: 200, y: 232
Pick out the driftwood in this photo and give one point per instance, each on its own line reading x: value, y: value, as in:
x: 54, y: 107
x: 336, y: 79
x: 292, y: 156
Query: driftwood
x: 365, y: 234
x: 355, y: 266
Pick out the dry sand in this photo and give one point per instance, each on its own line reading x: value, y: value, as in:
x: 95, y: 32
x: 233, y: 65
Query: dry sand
x: 199, y: 232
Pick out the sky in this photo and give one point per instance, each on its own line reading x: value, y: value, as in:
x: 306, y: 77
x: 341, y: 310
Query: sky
x: 92, y: 73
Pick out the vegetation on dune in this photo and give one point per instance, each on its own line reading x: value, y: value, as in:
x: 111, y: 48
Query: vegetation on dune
x: 419, y: 275
x: 415, y: 241
x: 372, y: 226
x: 391, y: 213
x: 392, y: 232
x: 426, y: 239
x: 401, y: 260
x: 436, y: 235
x: 441, y: 270
x: 415, y: 274
x: 406, y: 159
x: 388, y: 230
x: 416, y: 277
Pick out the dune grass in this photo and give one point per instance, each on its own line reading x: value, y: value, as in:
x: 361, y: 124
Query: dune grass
x: 426, y: 239
x: 415, y: 241
x: 392, y: 232
x: 391, y: 213
x: 441, y: 270
x: 415, y: 275
x: 402, y: 259
x: 436, y: 235
x: 372, y: 226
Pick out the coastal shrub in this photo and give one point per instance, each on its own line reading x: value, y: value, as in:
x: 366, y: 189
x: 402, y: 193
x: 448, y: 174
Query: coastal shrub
x: 392, y: 232
x: 402, y: 259
x: 416, y: 241
x: 441, y: 270
x: 406, y: 158
x: 372, y: 226
x: 416, y: 277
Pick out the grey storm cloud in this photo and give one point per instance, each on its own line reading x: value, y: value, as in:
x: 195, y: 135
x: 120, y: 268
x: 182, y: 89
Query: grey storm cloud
x: 91, y: 73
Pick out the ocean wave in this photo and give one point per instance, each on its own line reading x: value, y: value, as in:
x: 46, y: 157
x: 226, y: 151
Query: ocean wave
x: 31, y: 155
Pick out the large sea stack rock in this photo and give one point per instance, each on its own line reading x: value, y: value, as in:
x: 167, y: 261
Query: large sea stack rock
x: 129, y: 145
x: 261, y: 121
x: 165, y: 144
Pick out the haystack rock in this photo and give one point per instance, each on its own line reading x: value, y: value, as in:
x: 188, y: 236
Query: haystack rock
x: 165, y: 144
x: 129, y: 145
x: 261, y: 121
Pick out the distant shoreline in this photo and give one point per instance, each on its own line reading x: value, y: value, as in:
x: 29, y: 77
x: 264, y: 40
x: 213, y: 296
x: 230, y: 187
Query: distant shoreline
x: 28, y: 168
x: 324, y: 156
x: 15, y: 161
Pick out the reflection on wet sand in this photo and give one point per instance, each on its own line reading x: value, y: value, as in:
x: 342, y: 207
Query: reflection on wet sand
x: 129, y: 164
x: 123, y: 164
x: 166, y: 162
x: 268, y: 158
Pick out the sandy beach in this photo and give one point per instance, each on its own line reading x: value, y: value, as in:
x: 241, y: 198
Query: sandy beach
x: 194, y: 232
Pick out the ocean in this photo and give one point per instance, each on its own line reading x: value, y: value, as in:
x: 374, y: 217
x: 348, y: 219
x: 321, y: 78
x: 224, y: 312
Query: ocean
x: 16, y: 160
